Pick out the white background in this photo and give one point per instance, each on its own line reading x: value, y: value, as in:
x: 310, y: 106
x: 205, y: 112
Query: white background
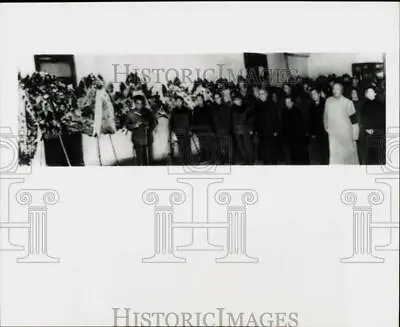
x: 101, y: 229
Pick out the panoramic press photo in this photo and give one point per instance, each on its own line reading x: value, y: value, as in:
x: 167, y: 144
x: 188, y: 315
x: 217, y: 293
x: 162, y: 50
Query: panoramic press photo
x: 217, y: 109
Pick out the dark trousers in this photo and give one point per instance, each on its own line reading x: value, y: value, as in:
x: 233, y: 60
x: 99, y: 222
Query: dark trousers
x: 298, y: 154
x: 142, y: 155
x: 372, y: 149
x: 319, y: 149
x: 208, y: 146
x: 184, y: 148
x: 225, y: 149
x: 244, y: 148
x: 268, y: 150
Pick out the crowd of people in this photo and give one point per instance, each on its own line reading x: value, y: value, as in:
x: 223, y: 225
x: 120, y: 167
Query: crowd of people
x: 329, y: 120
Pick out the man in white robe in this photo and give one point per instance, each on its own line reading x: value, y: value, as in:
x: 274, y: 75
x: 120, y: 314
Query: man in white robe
x: 341, y: 124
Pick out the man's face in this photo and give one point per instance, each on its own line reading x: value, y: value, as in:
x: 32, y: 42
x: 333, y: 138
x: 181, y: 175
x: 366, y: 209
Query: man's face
x: 179, y: 103
x: 227, y: 96
x: 237, y: 101
x: 315, y: 95
x: 370, y: 94
x: 289, y: 103
x: 139, y: 104
x: 354, y: 95
x: 217, y: 99
x: 275, y: 97
x: 256, y: 92
x: 241, y: 84
x: 200, y: 101
x: 152, y: 102
x: 286, y: 89
x: 263, y: 95
x: 337, y: 90
x: 305, y: 87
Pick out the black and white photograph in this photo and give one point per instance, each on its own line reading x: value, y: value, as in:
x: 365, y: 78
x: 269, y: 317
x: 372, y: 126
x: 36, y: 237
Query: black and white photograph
x: 199, y: 164
x: 203, y: 109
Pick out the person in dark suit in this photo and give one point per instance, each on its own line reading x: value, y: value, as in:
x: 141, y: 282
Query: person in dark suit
x: 373, y: 129
x: 203, y: 127
x: 294, y: 133
x: 266, y: 125
x: 141, y: 122
x: 222, y: 117
x: 242, y: 129
x: 180, y: 124
x: 320, y: 150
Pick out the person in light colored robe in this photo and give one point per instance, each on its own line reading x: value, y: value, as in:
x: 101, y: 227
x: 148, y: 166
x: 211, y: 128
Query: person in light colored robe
x: 340, y: 121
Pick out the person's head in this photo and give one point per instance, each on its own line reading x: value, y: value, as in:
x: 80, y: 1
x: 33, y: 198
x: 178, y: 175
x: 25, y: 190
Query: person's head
x: 200, y: 100
x: 370, y: 93
x: 227, y: 95
x: 287, y: 89
x: 256, y: 91
x: 178, y: 101
x: 337, y: 90
x: 217, y: 98
x: 242, y: 84
x: 355, y: 82
x: 154, y: 101
x: 275, y: 97
x: 110, y: 88
x: 315, y: 95
x: 306, y: 87
x: 237, y: 100
x: 139, y: 101
x: 263, y: 95
x: 354, y: 95
x: 289, y: 102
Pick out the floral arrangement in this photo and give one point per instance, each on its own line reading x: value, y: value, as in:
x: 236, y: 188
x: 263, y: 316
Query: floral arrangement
x: 53, y: 108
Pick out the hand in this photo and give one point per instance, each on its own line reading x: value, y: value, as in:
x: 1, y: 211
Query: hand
x: 370, y: 131
x: 313, y: 136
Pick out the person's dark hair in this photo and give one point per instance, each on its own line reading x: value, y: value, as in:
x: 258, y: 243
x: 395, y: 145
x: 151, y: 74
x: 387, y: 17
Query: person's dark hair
x: 178, y: 97
x: 290, y: 97
x: 316, y: 89
x: 372, y: 87
x: 139, y: 98
x: 236, y: 95
x: 200, y: 95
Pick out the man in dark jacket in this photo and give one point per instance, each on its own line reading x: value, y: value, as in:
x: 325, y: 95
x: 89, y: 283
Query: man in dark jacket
x: 266, y: 125
x: 141, y: 122
x: 180, y: 124
x: 320, y: 149
x: 222, y: 117
x: 373, y: 126
x: 242, y: 129
x: 295, y: 133
x: 203, y: 127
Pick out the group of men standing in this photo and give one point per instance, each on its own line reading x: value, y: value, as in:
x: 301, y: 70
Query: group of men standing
x: 257, y: 125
